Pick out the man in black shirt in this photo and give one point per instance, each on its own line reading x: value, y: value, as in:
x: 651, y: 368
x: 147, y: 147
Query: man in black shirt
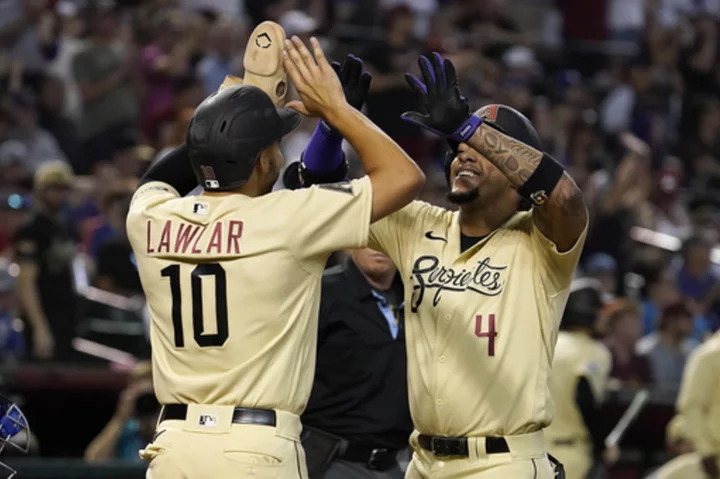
x: 358, y: 418
x: 45, y: 249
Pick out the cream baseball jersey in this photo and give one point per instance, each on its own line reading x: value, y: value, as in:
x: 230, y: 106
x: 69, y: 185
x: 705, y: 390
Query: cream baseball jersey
x: 699, y: 398
x: 233, y: 287
x: 576, y: 355
x: 481, y: 325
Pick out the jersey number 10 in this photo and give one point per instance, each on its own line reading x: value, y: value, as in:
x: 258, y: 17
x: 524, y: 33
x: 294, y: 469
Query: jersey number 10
x: 221, y: 312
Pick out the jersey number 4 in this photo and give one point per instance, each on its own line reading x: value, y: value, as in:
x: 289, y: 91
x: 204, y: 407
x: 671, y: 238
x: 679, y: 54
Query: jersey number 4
x: 490, y: 334
x: 221, y: 312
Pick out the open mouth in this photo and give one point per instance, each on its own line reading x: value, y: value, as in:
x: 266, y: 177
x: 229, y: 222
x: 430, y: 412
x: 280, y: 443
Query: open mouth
x: 467, y: 174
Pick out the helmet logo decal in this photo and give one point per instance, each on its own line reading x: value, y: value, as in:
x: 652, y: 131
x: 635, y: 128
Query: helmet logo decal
x: 209, y: 173
x: 489, y: 112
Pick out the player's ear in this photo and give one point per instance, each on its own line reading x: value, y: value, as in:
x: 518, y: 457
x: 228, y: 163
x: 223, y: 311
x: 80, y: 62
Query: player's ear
x: 264, y: 163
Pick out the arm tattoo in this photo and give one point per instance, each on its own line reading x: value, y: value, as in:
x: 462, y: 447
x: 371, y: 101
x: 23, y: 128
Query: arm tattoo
x: 514, y: 159
x: 563, y: 217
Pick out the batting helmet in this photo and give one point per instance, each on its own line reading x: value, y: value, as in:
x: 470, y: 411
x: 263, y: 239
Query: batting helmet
x: 583, y: 304
x: 507, y: 120
x: 229, y: 131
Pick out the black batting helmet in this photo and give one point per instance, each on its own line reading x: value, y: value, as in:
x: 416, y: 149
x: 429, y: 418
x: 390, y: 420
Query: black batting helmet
x: 229, y: 131
x: 507, y: 120
x: 583, y: 304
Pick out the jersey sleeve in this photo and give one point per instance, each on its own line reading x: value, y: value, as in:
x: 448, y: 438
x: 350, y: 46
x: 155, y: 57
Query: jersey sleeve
x: 149, y: 196
x: 330, y: 217
x: 557, y: 267
x: 394, y: 234
x: 699, y: 383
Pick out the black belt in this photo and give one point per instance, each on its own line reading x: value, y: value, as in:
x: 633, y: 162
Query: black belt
x: 380, y: 459
x: 443, y: 446
x: 241, y: 415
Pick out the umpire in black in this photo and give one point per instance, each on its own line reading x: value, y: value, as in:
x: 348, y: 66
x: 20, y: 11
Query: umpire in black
x: 358, y: 419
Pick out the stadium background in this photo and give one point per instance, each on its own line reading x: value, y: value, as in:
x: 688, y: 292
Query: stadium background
x: 623, y: 92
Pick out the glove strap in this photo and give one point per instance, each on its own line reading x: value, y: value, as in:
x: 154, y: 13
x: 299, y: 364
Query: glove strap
x: 467, y: 129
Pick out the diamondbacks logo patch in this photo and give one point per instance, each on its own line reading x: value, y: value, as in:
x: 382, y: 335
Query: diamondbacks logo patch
x: 488, y: 112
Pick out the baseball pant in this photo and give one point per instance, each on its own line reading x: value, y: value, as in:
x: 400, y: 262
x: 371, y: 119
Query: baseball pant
x: 207, y: 444
x: 577, y: 459
x: 686, y: 466
x: 527, y: 459
x: 340, y: 469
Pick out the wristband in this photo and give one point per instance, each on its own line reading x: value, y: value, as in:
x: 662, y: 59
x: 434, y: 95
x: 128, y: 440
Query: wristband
x: 467, y: 129
x: 543, y: 180
x: 309, y: 178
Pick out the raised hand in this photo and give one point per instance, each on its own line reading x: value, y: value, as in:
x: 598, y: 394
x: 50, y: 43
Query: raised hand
x: 443, y: 109
x: 355, y: 82
x: 315, y: 80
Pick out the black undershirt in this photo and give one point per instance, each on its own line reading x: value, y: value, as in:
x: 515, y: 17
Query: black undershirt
x: 467, y: 242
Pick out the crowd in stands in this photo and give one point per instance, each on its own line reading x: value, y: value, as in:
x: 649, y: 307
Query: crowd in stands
x: 625, y: 93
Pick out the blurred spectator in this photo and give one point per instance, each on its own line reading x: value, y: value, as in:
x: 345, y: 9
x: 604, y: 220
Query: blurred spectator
x: 14, y: 208
x: 52, y: 119
x: 133, y: 424
x: 701, y: 145
x: 41, y: 145
x: 603, y: 267
x: 298, y: 23
x: 700, y: 58
x: 44, y: 249
x: 390, y: 95
x: 13, y: 160
x: 167, y: 57
x: 12, y: 343
x: 188, y: 93
x: 111, y: 223
x: 623, y: 330
x: 696, y: 279
x: 223, y: 51
x: 658, y: 292
x: 669, y: 213
x: 104, y: 71
x: 667, y: 349
x: 24, y: 26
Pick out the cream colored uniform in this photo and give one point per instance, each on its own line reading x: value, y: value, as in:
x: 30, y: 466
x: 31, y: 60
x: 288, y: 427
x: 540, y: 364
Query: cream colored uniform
x: 699, y: 407
x: 233, y: 288
x: 481, y: 328
x: 576, y: 356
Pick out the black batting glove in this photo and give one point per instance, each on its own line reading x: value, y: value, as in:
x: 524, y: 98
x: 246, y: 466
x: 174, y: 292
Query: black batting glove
x: 355, y: 83
x: 443, y: 109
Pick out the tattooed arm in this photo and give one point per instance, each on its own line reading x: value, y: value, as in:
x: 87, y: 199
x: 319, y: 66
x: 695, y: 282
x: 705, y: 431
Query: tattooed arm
x: 562, y: 218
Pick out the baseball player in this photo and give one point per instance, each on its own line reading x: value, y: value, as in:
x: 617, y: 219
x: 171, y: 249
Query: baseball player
x: 579, y: 374
x: 485, y: 287
x: 232, y: 276
x: 699, y: 407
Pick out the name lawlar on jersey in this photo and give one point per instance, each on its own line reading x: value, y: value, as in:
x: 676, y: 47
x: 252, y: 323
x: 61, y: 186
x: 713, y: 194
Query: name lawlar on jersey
x: 428, y: 273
